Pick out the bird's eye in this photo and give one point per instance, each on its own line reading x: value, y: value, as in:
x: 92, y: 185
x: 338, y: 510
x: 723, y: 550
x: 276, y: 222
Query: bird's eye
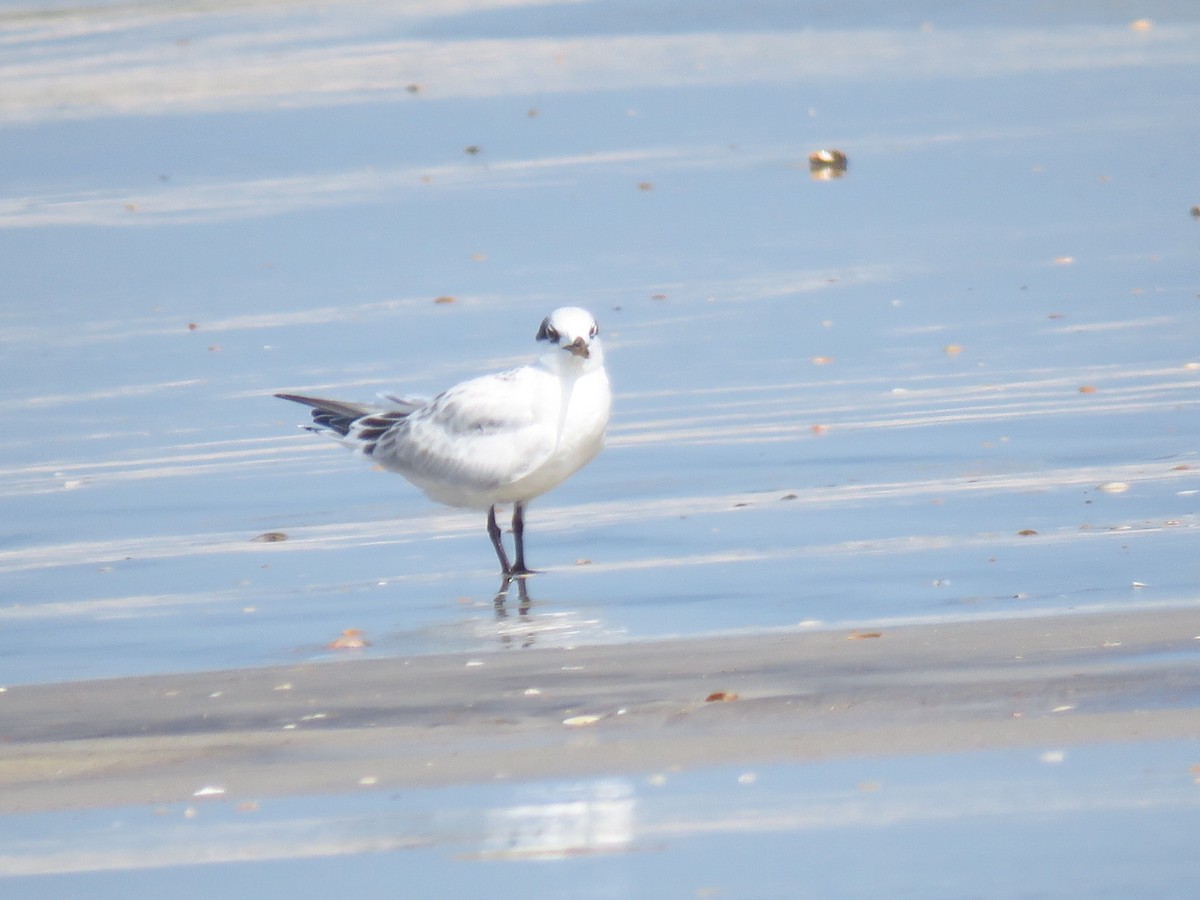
x: 595, y: 331
x: 547, y: 332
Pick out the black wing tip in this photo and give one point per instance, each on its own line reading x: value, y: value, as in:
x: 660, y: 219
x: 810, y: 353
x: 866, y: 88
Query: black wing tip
x: 326, y: 415
x: 341, y: 418
x: 295, y: 398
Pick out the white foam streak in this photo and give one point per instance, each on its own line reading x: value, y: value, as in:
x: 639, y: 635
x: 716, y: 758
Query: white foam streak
x: 268, y: 63
x: 600, y: 514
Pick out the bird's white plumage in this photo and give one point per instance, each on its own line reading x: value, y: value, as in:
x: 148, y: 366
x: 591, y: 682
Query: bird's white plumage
x: 502, y: 438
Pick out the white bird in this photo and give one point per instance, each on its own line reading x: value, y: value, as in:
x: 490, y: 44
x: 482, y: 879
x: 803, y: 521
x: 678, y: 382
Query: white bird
x: 497, y: 439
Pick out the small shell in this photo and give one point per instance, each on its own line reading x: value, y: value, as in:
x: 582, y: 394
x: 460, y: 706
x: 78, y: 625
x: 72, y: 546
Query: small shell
x: 825, y: 165
x: 351, y: 639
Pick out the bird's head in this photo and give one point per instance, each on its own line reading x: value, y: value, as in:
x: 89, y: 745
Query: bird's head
x: 572, y: 330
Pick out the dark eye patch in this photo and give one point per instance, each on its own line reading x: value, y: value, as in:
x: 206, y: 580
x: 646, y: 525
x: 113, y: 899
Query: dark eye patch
x: 547, y: 332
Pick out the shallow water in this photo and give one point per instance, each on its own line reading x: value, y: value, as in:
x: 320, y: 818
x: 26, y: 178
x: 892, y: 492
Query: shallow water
x: 961, y: 382
x: 1098, y: 822
x: 993, y: 313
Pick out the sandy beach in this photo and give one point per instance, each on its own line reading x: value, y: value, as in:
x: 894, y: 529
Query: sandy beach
x: 595, y: 711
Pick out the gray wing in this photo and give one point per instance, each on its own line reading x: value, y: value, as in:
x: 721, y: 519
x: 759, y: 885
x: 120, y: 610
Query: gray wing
x: 478, y: 435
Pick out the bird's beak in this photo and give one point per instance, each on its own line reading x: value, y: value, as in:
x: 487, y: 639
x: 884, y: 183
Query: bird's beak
x: 578, y: 347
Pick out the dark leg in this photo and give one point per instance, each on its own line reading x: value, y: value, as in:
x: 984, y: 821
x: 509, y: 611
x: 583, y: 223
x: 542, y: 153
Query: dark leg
x: 518, y: 527
x: 493, y: 531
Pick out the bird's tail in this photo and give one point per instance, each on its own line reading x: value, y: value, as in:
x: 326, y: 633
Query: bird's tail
x: 355, y: 425
x: 331, y: 415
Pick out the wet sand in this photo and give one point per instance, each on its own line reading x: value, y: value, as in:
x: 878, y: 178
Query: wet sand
x: 788, y: 696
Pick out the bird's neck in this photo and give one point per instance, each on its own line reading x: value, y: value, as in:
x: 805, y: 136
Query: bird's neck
x: 566, y: 365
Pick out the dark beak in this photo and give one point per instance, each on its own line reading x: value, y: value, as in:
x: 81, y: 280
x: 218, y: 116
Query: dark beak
x: 578, y: 347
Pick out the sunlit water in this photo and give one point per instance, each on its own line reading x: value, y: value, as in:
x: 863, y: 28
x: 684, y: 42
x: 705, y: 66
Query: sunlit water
x: 836, y: 401
x: 1096, y: 822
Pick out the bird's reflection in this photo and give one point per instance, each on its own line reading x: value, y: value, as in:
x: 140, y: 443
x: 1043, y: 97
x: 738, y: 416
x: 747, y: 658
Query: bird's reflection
x: 500, y: 601
x: 500, y: 604
x: 517, y: 622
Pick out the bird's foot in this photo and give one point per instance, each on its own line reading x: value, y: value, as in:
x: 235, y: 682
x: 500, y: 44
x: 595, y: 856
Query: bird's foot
x: 513, y: 573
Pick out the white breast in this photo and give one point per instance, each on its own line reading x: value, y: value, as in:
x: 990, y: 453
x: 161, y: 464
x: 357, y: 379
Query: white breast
x: 502, y: 438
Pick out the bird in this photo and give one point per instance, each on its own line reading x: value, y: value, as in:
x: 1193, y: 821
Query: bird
x: 499, y: 439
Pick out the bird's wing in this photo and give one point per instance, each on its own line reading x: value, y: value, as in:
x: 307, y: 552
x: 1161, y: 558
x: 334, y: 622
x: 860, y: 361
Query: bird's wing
x: 405, y: 404
x: 355, y: 425
x: 332, y: 415
x: 479, y: 434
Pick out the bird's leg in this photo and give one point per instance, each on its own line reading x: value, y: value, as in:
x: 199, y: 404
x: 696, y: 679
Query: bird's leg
x: 518, y: 527
x: 498, y: 542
